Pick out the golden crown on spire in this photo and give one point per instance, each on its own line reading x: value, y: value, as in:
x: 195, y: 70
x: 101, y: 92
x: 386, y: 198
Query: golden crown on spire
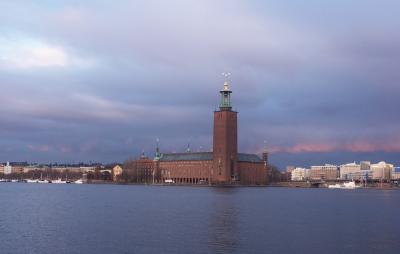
x: 226, y: 85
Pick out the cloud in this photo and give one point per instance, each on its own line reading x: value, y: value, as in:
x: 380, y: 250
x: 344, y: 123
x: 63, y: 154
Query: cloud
x: 40, y: 148
x: 35, y: 57
x: 356, y: 146
x: 103, y: 80
x: 30, y: 53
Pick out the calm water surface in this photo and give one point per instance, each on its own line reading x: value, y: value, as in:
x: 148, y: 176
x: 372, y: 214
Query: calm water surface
x: 49, y: 218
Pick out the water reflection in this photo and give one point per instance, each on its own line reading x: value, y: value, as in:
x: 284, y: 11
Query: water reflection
x: 223, y: 225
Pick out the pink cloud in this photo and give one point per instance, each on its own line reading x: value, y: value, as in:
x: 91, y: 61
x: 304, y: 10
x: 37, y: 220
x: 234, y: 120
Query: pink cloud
x: 356, y: 146
x: 304, y: 147
x: 64, y: 149
x: 40, y: 148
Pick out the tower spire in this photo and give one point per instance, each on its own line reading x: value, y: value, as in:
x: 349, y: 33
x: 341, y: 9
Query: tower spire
x: 158, y: 154
x: 265, y: 147
x: 265, y: 154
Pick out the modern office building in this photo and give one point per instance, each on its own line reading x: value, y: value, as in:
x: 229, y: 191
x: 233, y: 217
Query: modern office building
x: 381, y: 171
x: 356, y: 172
x: 326, y: 172
x: 348, y: 170
x: 396, y: 173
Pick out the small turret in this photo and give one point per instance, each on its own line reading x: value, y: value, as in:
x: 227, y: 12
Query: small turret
x: 158, y: 154
x: 265, y: 153
x: 143, y: 155
x: 225, y: 97
x: 225, y: 94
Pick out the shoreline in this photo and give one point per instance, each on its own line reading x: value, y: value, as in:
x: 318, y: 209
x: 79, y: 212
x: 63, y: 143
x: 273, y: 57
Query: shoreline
x: 294, y: 185
x: 272, y: 185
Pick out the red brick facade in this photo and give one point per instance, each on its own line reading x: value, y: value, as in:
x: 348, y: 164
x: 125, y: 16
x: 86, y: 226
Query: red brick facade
x: 225, y: 147
x: 144, y: 170
x: 191, y: 172
x: 251, y: 173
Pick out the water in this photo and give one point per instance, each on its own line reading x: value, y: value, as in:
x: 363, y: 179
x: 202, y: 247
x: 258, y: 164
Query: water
x: 46, y: 218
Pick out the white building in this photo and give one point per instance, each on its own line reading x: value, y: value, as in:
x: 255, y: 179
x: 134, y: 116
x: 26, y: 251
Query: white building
x: 396, y: 173
x: 354, y: 171
x: 348, y: 170
x: 300, y: 174
x: 381, y: 171
x: 7, y: 169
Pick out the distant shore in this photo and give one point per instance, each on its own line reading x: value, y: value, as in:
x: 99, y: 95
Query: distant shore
x: 275, y: 184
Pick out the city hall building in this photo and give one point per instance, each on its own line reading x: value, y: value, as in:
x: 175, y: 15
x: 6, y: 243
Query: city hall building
x: 223, y: 166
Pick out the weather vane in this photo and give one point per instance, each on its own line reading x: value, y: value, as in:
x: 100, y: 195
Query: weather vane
x: 226, y: 75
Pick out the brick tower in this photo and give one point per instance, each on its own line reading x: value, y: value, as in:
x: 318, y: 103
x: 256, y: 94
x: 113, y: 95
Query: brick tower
x: 225, y: 141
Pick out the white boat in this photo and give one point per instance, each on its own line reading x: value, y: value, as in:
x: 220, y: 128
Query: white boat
x: 79, y: 181
x: 349, y: 185
x: 31, y: 181
x: 43, y: 181
x: 59, y: 181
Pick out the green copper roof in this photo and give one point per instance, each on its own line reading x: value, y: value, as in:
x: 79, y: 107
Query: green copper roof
x: 205, y: 156
x: 245, y: 157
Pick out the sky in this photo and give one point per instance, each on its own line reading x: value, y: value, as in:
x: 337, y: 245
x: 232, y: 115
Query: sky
x: 317, y: 80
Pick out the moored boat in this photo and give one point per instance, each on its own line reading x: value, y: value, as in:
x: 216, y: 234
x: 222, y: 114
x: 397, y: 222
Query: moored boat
x: 59, y: 181
x: 43, y: 181
x: 31, y: 181
x: 79, y: 181
x: 348, y: 185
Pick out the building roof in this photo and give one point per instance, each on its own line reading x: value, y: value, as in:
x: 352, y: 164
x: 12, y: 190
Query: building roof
x: 246, y: 157
x: 201, y: 156
x: 205, y: 156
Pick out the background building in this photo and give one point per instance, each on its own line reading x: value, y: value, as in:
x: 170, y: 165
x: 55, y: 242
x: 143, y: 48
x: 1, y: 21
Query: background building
x: 7, y: 168
x: 354, y: 171
x: 396, y: 173
x: 300, y: 174
x: 382, y: 171
x: 347, y: 171
x: 116, y: 172
x: 326, y: 172
x: 365, y: 165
